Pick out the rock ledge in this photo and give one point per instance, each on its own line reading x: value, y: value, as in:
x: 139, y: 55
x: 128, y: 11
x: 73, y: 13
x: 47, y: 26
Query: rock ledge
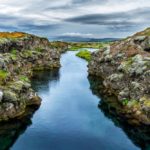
x: 124, y: 67
x: 20, y: 55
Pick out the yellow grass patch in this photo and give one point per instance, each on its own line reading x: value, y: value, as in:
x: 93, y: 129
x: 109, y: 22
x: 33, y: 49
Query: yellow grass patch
x: 12, y: 34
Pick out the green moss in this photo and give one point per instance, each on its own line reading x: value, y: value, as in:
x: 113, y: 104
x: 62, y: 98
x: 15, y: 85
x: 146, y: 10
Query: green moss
x: 3, y: 74
x: 125, y: 102
x: 38, y: 49
x: 85, y: 54
x: 133, y: 103
x: 13, y: 54
x: 24, y: 79
x: 27, y: 53
x: 14, y: 51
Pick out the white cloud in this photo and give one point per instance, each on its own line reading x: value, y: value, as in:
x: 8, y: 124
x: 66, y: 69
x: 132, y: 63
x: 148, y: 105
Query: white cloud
x: 75, y: 34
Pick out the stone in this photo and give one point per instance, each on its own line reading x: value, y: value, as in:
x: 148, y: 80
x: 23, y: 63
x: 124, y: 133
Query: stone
x: 9, y: 96
x: 139, y: 38
x: 115, y: 77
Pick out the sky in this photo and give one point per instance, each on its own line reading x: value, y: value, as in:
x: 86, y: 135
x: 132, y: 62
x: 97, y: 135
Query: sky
x: 75, y: 18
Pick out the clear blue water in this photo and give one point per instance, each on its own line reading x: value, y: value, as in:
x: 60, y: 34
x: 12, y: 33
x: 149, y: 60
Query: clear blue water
x: 69, y: 117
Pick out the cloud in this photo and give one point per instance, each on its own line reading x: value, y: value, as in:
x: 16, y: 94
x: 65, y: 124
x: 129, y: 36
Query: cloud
x: 120, y: 19
x: 84, y: 17
x: 76, y: 34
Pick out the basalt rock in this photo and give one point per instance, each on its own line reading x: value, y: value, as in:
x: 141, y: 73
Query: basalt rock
x: 20, y: 55
x: 124, y: 67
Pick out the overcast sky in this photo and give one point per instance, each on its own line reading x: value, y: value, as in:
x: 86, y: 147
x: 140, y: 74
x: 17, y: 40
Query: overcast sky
x: 85, y: 18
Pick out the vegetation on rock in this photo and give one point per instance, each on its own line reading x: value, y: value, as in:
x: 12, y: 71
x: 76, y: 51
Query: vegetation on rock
x: 125, y: 69
x: 3, y: 74
x: 24, y: 78
x: 20, y: 55
x: 12, y: 35
x: 80, y: 45
x: 85, y: 54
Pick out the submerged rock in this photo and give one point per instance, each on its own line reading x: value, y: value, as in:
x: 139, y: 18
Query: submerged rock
x: 124, y: 67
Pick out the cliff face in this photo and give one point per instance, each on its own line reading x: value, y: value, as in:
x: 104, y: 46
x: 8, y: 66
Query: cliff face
x: 20, y: 55
x: 124, y: 67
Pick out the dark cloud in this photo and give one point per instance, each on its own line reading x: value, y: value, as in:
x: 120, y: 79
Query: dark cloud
x: 39, y: 27
x: 101, y: 19
x: 119, y: 19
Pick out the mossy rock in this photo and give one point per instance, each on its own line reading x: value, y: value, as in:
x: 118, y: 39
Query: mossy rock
x: 27, y: 53
x: 3, y: 74
x: 24, y: 78
x: 38, y: 49
x: 133, y: 103
x: 9, y: 96
x: 85, y: 54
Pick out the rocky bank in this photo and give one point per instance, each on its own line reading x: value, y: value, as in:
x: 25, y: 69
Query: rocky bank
x: 124, y: 68
x: 20, y: 55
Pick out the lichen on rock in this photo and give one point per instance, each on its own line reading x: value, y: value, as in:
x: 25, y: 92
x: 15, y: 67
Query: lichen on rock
x: 124, y: 67
x: 20, y: 55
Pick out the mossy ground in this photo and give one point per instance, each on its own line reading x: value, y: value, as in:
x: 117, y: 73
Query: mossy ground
x: 95, y: 45
x: 85, y: 54
x: 73, y: 48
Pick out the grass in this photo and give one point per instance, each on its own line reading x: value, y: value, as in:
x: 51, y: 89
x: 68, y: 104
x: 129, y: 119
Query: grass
x: 12, y: 35
x: 85, y: 54
x: 96, y: 45
x: 73, y: 48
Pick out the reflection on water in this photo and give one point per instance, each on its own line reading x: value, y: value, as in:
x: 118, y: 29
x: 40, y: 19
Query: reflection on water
x: 41, y: 80
x: 139, y: 135
x: 10, y: 131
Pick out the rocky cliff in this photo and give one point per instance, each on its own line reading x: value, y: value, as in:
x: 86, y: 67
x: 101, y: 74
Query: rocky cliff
x: 124, y: 67
x: 20, y: 55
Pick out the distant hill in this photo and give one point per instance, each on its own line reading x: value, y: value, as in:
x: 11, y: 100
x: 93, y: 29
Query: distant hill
x: 82, y: 39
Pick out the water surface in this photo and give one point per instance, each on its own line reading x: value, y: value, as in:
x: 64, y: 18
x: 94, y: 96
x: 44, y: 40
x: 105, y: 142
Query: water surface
x: 69, y: 117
